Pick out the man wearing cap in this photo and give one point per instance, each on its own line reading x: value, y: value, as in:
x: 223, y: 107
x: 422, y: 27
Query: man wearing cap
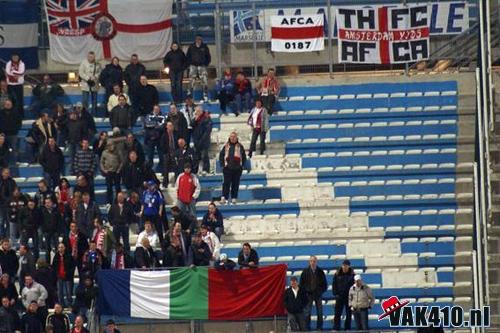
x: 111, y: 327
x: 343, y: 279
x: 313, y: 281
x: 295, y: 303
x: 152, y: 207
x: 188, y: 190
x: 361, y: 301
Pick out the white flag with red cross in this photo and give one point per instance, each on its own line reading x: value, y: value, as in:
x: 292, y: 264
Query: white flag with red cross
x: 109, y: 28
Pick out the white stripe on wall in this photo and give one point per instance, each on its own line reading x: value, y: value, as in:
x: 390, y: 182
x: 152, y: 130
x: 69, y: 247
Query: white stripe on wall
x: 150, y: 294
x: 18, y: 35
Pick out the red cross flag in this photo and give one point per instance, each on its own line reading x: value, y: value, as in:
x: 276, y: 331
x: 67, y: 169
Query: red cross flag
x: 382, y: 34
x: 297, y: 33
x: 109, y: 28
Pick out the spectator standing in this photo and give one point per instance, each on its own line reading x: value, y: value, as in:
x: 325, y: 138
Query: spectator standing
x: 120, y: 216
x: 52, y: 162
x: 76, y: 244
x: 133, y: 205
x: 58, y: 320
x: 5, y: 94
x: 178, y: 121
x: 313, y: 281
x: 10, y: 124
x: 41, y: 130
x: 100, y: 144
x: 9, y: 318
x: 152, y: 207
x: 147, y: 97
x: 26, y: 264
x: 64, y: 194
x: 225, y: 88
x: 198, y: 59
x: 5, y: 151
x: 132, y: 144
x: 243, y: 93
x: 259, y: 122
x: 188, y: 222
x: 15, y: 70
x: 361, y: 301
x: 144, y: 255
x: 188, y: 110
x: 153, y: 130
x: 188, y: 190
x: 232, y: 159
x: 89, y: 73
x: 202, y: 132
x: 63, y: 264
x: 34, y: 291
x: 16, y: 203
x: 120, y: 259
x: 82, y: 186
x: 29, y: 222
x: 111, y: 327
x: 8, y: 289
x: 43, y: 193
x: 52, y: 227
x: 9, y: 262
x: 295, y: 303
x: 87, y: 119
x: 132, y: 76
x: 111, y: 166
x: 168, y: 147
x: 133, y: 173
x: 103, y: 238
x: 113, y: 99
x: 212, y: 241
x: 176, y: 248
x: 121, y: 116
x: 61, y: 124
x: 7, y: 187
x: 200, y: 252
x: 92, y: 260
x: 175, y: 61
x: 84, y: 163
x: 248, y: 257
x: 45, y: 95
x: 78, y: 326
x: 269, y: 90
x: 111, y: 75
x: 76, y: 133
x: 214, y: 220
x: 343, y: 280
x: 86, y: 213
x: 31, y: 321
x: 184, y: 154
x: 47, y: 277
x: 85, y: 293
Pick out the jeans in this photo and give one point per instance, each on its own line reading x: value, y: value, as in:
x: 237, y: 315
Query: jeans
x: 231, y: 182
x: 243, y: 102
x: 296, y: 322
x: 123, y: 232
x: 340, y: 304
x: 64, y: 288
x: 256, y: 134
x: 198, y: 73
x: 361, y: 319
x: 112, y: 180
x: 151, y: 147
x: 202, y: 155
x: 187, y: 208
x: 72, y: 147
x: 85, y: 101
x: 176, y: 85
x: 49, y: 242
x: 219, y: 231
x: 318, y: 302
x: 52, y: 178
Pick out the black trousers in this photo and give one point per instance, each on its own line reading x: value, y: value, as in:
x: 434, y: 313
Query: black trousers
x: 112, y: 180
x: 224, y: 98
x: 318, y: 302
x: 268, y: 102
x: 253, y: 143
x: 340, y: 304
x: 231, y: 182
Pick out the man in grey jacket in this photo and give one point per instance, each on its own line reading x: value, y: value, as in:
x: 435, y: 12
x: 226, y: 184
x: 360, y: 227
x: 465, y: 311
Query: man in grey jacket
x: 111, y: 166
x: 89, y: 72
x: 33, y: 291
x: 360, y: 301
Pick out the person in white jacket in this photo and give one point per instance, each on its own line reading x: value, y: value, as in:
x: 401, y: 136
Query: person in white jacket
x: 89, y: 72
x: 14, y: 72
x: 150, y: 234
x: 213, y: 243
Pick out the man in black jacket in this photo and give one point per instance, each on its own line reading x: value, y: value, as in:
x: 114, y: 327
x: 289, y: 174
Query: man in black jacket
x: 32, y: 321
x: 188, y: 222
x: 131, y: 143
x: 248, y: 257
x: 76, y: 244
x: 175, y: 61
x: 121, y: 115
x: 9, y: 318
x: 26, y: 263
x: 51, y: 227
x: 9, y: 262
x: 133, y: 173
x: 198, y: 59
x: 29, y: 221
x: 343, y: 280
x: 119, y: 217
x: 132, y: 76
x: 76, y: 133
x: 313, y: 281
x: 183, y: 155
x: 52, y: 161
x: 295, y: 302
x: 200, y: 252
x: 45, y: 95
x: 147, y: 97
x: 59, y: 320
x: 10, y: 123
x: 7, y: 187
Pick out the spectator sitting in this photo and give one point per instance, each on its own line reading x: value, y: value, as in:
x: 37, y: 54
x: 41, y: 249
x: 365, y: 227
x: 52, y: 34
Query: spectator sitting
x: 225, y: 91
x: 200, y: 252
x: 212, y: 241
x: 361, y: 301
x: 144, y: 255
x: 121, y: 116
x: 248, y: 257
x: 150, y: 234
x: 103, y: 238
x: 45, y: 95
x: 111, y: 75
x: 259, y: 122
x: 188, y: 190
x: 224, y: 263
x: 119, y: 258
x: 78, y: 326
x: 59, y: 320
x: 232, y: 159
x: 152, y: 207
x: 243, y: 93
x: 202, y: 132
x: 113, y: 99
x: 93, y: 259
x: 295, y: 303
x: 8, y: 289
x: 176, y: 248
x: 5, y: 151
x: 188, y: 222
x: 32, y: 321
x: 213, y: 220
x: 269, y: 90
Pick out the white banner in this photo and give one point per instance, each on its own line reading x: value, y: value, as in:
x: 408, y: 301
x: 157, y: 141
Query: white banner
x: 383, y: 35
x: 109, y: 28
x: 446, y: 18
x: 304, y: 33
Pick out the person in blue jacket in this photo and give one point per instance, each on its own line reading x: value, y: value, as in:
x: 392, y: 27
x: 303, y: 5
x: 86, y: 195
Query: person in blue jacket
x: 214, y: 220
x: 225, y: 91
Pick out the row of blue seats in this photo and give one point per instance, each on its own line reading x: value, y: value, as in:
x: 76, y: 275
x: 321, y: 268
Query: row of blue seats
x: 401, y: 205
x: 370, y: 190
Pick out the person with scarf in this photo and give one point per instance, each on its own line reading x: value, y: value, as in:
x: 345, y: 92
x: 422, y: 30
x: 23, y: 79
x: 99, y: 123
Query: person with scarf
x: 212, y: 241
x: 202, y: 131
x: 243, y: 93
x: 225, y: 91
x: 259, y: 122
x: 15, y: 70
x: 64, y: 194
x: 176, y: 248
x: 111, y: 75
x: 63, y: 265
x: 103, y: 238
x: 119, y: 258
x: 76, y: 244
x: 92, y: 260
x: 232, y: 159
x: 269, y: 90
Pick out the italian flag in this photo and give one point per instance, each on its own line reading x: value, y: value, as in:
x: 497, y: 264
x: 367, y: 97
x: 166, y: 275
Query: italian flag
x: 193, y: 293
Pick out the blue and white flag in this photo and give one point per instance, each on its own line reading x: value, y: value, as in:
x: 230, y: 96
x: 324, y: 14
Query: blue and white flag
x: 19, y: 30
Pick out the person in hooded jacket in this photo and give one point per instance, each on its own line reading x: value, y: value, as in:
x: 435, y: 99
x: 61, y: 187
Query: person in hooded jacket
x: 175, y: 61
x: 343, y: 280
x: 111, y: 75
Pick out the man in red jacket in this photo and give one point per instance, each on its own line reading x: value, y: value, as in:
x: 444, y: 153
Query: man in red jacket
x: 188, y: 190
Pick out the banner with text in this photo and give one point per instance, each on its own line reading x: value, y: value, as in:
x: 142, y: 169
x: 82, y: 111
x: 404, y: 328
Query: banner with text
x: 292, y: 34
x: 446, y: 18
x: 383, y: 35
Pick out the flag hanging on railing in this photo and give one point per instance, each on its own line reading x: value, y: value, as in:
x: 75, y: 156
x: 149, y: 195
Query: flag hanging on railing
x: 109, y: 28
x: 193, y: 293
x: 297, y: 33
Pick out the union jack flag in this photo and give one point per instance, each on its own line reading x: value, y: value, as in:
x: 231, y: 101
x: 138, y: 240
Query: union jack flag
x: 72, y: 17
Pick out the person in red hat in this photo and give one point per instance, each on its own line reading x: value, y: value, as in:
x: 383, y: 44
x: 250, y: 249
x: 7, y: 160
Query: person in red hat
x: 361, y: 301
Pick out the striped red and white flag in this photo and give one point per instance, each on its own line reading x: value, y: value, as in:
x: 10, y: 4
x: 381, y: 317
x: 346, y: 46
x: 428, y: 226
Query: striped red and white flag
x: 297, y: 33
